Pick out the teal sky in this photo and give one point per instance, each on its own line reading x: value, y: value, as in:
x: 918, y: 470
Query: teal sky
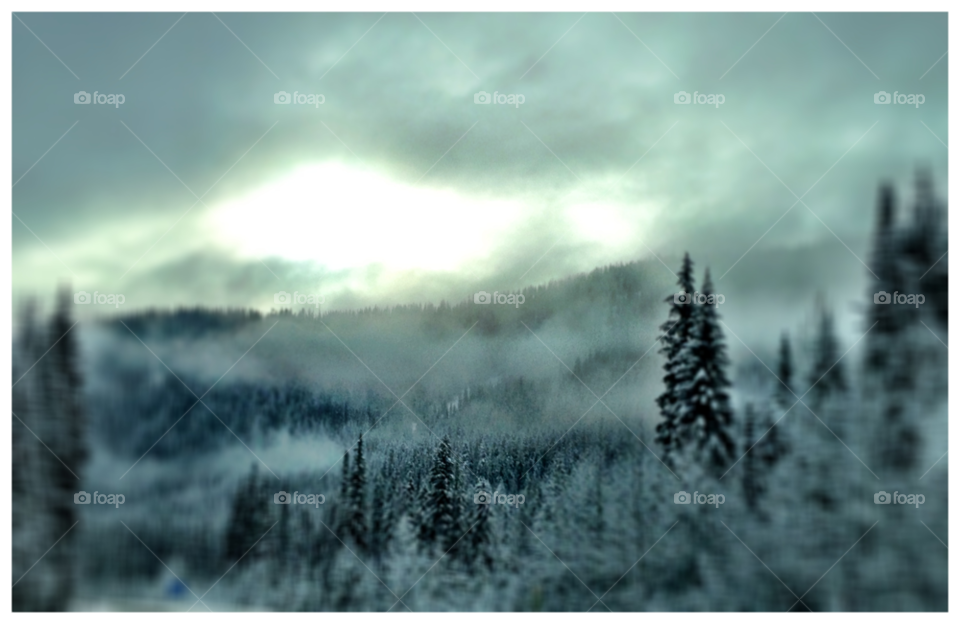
x: 400, y: 188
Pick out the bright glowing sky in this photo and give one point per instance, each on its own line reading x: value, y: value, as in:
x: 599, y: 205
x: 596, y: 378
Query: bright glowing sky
x: 344, y: 218
x: 400, y: 188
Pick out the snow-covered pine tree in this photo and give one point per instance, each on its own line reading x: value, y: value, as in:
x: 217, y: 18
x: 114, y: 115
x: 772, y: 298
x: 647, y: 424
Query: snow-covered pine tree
x: 62, y: 427
x: 340, y: 511
x: 306, y: 546
x: 460, y: 492
x: 442, y: 521
x: 596, y: 523
x: 703, y: 413
x: 675, y: 333
x: 264, y: 517
x: 766, y: 448
x: 926, y: 245
x: 35, y: 586
x: 479, y: 547
x: 407, y: 562
x: 384, y: 509
x: 752, y: 480
x: 383, y: 516
x: 908, y: 258
x: 249, y: 519
x: 784, y: 392
x: 356, y: 501
x: 409, y: 501
x: 237, y: 524
x: 886, y: 320
x: 421, y: 516
x: 283, y: 538
x: 826, y: 376
x: 774, y: 445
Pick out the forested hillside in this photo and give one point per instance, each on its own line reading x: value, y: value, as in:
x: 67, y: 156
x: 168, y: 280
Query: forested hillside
x: 594, y: 448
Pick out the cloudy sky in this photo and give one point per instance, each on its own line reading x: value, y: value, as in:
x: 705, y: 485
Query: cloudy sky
x: 201, y: 189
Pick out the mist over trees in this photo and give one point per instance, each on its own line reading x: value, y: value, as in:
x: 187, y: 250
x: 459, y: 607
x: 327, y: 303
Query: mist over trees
x: 518, y: 474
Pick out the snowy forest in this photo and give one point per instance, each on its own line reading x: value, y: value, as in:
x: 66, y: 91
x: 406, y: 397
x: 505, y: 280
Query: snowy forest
x: 469, y: 457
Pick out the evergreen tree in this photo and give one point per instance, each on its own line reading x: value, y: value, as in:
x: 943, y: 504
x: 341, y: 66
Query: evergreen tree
x: 341, y: 515
x: 675, y: 333
x: 784, y: 392
x: 283, y: 536
x: 32, y: 473
x: 703, y: 412
x: 249, y: 519
x: 927, y: 244
x: 596, y: 522
x: 753, y: 486
x: 826, y: 374
x: 774, y: 445
x: 383, y: 517
x: 909, y: 257
x: 421, y: 516
x: 442, y: 523
x: 920, y: 244
x: 306, y: 551
x: 885, y: 319
x: 384, y: 510
x: 764, y: 447
x: 409, y: 503
x: 64, y: 431
x: 356, y: 500
x: 238, y: 524
x: 479, y: 546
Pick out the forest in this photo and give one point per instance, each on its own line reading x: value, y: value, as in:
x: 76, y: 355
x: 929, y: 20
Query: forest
x: 594, y: 449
